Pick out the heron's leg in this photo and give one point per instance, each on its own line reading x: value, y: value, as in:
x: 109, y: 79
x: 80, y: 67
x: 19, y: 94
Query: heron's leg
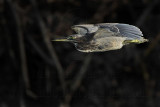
x: 125, y: 42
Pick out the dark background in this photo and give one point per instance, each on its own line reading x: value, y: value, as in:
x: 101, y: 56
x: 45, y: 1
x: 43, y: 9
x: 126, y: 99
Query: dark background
x: 35, y: 72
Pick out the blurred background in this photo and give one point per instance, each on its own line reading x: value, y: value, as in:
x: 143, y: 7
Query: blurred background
x: 36, y: 72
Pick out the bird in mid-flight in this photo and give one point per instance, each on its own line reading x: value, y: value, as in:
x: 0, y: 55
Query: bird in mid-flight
x: 103, y: 36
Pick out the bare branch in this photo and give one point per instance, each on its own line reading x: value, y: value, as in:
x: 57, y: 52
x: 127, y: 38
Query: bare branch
x: 78, y: 78
x: 48, y: 44
x: 146, y: 13
x: 152, y: 45
x: 23, y: 59
x: 40, y: 52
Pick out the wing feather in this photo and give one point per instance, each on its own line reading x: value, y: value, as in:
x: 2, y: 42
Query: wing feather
x: 124, y: 30
x: 84, y: 28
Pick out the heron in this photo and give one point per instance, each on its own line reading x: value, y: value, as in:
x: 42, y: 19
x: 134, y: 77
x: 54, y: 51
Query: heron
x: 103, y: 36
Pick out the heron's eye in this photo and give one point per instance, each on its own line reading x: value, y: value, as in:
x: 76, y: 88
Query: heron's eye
x: 71, y: 37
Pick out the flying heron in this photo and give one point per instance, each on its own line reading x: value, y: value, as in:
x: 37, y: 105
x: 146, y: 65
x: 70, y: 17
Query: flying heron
x: 103, y: 36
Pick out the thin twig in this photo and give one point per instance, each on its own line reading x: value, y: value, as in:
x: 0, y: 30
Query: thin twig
x: 78, y: 78
x: 22, y: 52
x: 152, y: 45
x: 48, y: 44
x: 48, y: 79
x: 21, y: 44
x: 69, y: 70
x: 146, y: 13
x: 40, y: 51
x: 77, y: 81
x: 139, y: 23
x: 11, y: 51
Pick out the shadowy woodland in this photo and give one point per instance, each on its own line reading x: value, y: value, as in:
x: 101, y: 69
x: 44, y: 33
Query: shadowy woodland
x: 36, y: 72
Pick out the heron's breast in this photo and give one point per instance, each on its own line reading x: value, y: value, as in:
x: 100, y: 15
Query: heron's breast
x: 110, y: 43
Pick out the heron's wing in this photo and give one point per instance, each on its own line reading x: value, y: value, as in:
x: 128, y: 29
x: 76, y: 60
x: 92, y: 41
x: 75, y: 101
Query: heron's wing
x: 102, y: 33
x: 124, y: 30
x: 84, y: 28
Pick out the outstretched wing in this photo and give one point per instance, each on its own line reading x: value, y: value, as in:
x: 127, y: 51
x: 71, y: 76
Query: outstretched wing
x: 84, y: 28
x: 125, y: 30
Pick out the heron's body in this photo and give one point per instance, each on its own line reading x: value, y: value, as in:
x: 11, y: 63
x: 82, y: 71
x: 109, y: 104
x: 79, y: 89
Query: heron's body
x: 104, y: 36
x: 100, y: 44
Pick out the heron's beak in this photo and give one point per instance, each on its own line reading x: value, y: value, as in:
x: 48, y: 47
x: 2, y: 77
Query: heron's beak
x: 62, y: 40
